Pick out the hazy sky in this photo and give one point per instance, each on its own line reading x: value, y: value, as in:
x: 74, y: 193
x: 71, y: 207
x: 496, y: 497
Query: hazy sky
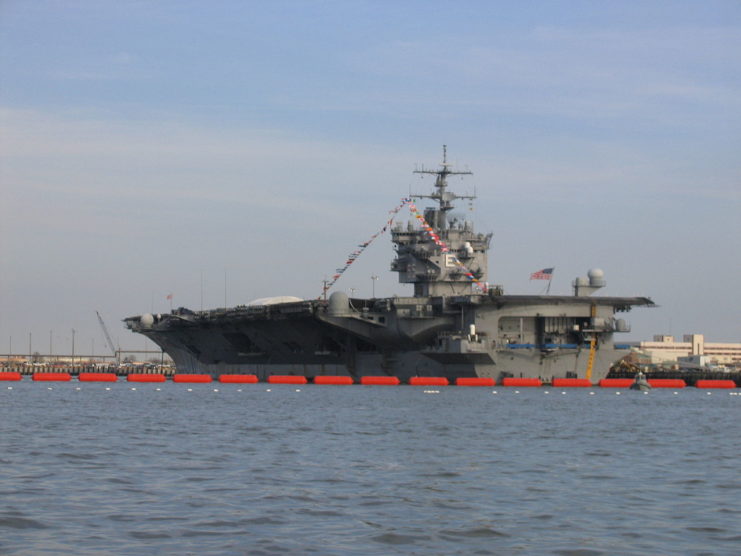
x: 151, y: 147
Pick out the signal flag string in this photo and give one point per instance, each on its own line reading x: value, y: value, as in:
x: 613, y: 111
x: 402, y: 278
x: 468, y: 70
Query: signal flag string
x: 352, y: 257
x: 362, y: 247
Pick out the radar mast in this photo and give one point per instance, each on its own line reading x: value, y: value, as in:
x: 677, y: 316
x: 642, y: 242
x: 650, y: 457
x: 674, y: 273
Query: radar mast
x: 443, y: 197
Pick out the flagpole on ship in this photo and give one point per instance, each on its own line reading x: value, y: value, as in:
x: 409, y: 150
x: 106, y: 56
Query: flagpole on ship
x: 548, y: 290
x: 544, y: 274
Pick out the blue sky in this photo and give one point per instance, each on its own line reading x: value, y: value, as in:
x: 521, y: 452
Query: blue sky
x: 149, y: 147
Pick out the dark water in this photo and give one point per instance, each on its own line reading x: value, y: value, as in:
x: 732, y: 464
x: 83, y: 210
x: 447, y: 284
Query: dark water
x: 160, y: 469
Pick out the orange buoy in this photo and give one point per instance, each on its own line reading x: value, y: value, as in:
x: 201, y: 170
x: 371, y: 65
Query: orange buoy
x: 61, y: 377
x: 475, y: 381
x: 571, y: 383
x: 144, y: 377
x: 428, y: 381
x: 10, y: 375
x: 512, y: 381
x: 380, y: 380
x: 238, y: 379
x: 97, y: 377
x: 715, y: 384
x: 667, y: 383
x: 332, y: 379
x: 616, y: 382
x: 287, y: 379
x: 191, y: 378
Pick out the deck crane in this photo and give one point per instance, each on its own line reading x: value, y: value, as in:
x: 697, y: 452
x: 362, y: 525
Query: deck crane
x: 107, y: 336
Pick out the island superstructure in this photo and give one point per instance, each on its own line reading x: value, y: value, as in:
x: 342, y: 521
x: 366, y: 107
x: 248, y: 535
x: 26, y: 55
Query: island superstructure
x: 454, y: 325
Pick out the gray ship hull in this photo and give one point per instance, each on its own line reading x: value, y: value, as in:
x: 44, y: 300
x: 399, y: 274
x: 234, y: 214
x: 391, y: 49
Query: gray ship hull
x: 494, y: 336
x: 455, y: 325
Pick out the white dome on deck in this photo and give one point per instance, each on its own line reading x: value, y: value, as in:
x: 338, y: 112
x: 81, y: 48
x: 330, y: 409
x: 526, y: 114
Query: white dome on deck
x: 273, y: 300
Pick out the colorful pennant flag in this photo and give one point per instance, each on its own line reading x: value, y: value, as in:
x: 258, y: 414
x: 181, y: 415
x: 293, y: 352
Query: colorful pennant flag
x: 352, y: 257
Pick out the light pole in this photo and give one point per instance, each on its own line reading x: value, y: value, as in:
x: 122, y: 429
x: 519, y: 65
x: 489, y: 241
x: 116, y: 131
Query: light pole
x: 373, y: 281
x: 73, y: 346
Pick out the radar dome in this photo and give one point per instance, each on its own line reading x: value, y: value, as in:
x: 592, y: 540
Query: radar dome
x: 146, y: 320
x: 596, y: 277
x: 339, y: 304
x: 273, y: 300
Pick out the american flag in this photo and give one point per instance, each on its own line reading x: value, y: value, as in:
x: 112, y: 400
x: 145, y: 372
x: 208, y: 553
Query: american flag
x: 543, y: 274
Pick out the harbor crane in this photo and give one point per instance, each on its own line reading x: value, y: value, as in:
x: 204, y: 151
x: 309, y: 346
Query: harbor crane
x: 107, y: 336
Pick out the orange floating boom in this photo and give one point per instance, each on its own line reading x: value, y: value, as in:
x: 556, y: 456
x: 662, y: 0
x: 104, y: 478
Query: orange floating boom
x: 287, y: 379
x: 60, y: 377
x: 380, y: 380
x: 192, y: 378
x: 616, y: 382
x: 97, y: 377
x: 715, y: 384
x: 428, y: 381
x: 144, y: 377
x: 238, y: 379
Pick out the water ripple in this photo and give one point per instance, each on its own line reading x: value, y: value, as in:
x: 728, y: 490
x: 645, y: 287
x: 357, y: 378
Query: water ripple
x: 365, y: 471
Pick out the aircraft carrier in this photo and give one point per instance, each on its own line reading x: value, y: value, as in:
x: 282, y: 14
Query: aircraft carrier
x: 454, y: 325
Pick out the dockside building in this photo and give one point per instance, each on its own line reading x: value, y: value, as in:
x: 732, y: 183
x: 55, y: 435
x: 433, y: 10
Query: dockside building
x: 665, y: 349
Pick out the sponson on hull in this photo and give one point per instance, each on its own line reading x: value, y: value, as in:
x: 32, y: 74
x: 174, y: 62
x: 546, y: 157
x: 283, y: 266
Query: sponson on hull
x: 454, y: 325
